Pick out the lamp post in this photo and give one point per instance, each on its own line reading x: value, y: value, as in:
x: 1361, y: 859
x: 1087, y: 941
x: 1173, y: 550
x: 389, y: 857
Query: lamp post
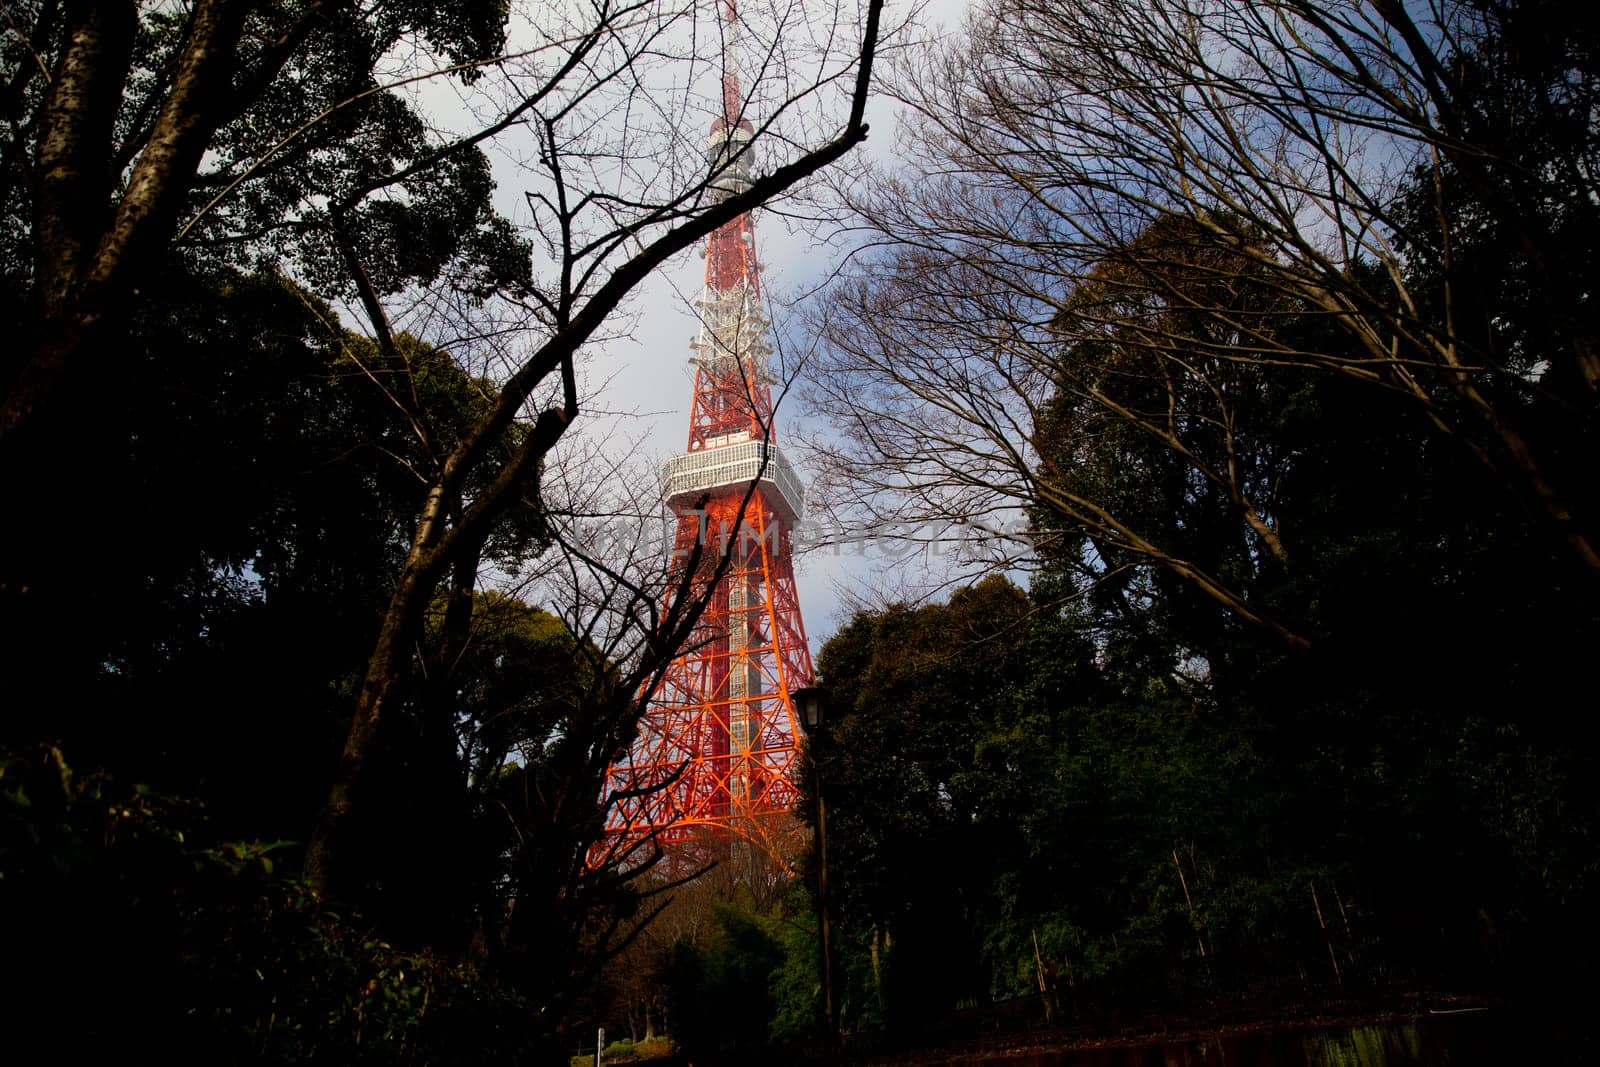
x: 812, y: 705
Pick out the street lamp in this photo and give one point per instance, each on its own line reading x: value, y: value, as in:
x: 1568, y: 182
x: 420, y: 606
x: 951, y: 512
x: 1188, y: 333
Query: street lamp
x: 811, y: 704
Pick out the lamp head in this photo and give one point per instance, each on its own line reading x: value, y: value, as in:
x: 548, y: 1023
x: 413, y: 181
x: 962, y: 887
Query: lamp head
x: 810, y: 703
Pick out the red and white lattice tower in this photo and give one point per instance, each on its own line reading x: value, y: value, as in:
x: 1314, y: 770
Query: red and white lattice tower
x: 715, y: 756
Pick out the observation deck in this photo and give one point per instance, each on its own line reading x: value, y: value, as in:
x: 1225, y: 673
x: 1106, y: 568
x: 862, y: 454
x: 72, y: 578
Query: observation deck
x: 729, y: 154
x: 733, y: 462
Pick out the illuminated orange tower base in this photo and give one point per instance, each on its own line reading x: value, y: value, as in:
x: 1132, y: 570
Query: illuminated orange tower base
x: 713, y: 765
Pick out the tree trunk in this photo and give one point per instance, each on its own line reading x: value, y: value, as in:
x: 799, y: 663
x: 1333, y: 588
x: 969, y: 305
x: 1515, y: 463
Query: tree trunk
x: 386, y: 666
x: 89, y: 255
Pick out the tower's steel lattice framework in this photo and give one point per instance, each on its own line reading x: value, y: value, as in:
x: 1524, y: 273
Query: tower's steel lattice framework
x: 715, y: 757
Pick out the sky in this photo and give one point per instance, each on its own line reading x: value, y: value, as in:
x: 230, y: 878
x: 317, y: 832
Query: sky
x: 642, y: 382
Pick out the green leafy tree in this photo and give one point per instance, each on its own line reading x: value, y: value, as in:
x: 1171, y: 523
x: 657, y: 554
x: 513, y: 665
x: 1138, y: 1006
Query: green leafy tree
x: 913, y: 691
x: 722, y: 1003
x: 123, y: 120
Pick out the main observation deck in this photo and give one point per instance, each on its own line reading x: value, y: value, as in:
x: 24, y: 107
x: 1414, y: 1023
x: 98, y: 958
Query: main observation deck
x: 733, y: 462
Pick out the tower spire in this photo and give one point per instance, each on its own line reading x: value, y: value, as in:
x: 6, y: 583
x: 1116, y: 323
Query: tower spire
x: 732, y: 102
x: 715, y: 757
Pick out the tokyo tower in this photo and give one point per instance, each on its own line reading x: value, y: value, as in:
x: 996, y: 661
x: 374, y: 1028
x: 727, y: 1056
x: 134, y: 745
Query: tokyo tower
x: 713, y: 762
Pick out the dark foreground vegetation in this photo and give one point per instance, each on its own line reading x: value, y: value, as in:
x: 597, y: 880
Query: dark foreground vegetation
x: 1293, y: 709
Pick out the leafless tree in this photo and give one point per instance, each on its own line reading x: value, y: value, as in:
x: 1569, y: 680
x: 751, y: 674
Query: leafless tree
x: 1187, y: 178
